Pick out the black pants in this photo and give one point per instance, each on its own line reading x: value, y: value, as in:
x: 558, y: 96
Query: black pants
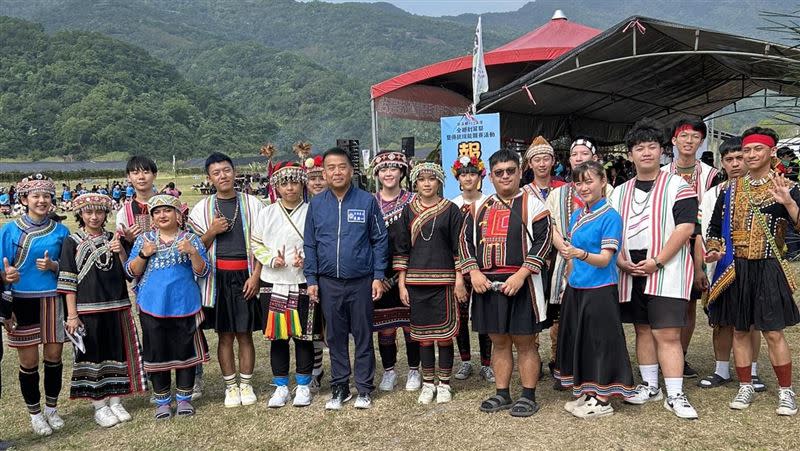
x: 303, y: 354
x: 184, y: 383
x: 347, y: 307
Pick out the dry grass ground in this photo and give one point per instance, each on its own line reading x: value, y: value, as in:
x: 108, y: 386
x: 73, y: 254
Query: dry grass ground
x: 397, y: 422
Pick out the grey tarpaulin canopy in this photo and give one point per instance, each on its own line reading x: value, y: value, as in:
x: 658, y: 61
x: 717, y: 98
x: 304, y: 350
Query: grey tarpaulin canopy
x: 641, y: 68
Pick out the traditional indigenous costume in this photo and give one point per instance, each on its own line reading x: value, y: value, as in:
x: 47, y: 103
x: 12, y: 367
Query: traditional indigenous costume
x: 540, y: 146
x: 111, y: 365
x: 231, y: 263
x: 753, y: 284
x: 288, y: 310
x: 426, y: 249
x: 389, y: 313
x: 592, y: 357
x: 132, y: 213
x: 650, y: 212
x: 169, y: 303
x: 498, y: 239
x: 314, y: 168
x: 462, y: 165
x: 34, y: 301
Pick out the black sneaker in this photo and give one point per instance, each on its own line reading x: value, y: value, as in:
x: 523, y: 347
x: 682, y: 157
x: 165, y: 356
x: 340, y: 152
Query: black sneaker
x: 551, y: 365
x: 688, y: 371
x: 340, y: 394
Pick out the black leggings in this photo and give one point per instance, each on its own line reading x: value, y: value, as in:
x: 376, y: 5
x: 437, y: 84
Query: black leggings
x: 279, y: 357
x: 463, y: 338
x: 184, y: 383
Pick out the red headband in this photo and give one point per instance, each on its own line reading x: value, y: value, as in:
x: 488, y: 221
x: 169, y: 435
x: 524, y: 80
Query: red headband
x: 686, y: 127
x: 756, y: 138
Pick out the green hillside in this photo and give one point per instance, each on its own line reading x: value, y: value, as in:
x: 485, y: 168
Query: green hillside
x: 84, y: 94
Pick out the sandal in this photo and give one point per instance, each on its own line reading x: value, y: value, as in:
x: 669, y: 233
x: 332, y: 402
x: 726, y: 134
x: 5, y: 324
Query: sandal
x: 759, y: 385
x: 524, y: 407
x: 184, y: 409
x: 714, y: 380
x: 163, y: 412
x: 495, y: 403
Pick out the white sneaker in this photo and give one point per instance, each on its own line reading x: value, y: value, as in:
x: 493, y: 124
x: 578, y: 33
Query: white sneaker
x: 247, y: 395
x: 464, y: 372
x: 591, y: 408
x: 644, y: 394
x: 389, y: 381
x: 104, y: 417
x: 413, y: 380
x: 40, y: 426
x: 120, y: 412
x: 679, y: 405
x: 744, y: 398
x: 280, y: 397
x: 363, y: 402
x: 197, y: 390
x: 443, y: 394
x: 55, y: 421
x: 787, y: 403
x: 302, y: 396
x: 570, y: 406
x: 338, y: 397
x: 233, y: 397
x: 427, y: 393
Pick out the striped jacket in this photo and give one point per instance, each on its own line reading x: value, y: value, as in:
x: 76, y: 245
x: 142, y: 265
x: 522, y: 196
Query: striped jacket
x: 676, y: 278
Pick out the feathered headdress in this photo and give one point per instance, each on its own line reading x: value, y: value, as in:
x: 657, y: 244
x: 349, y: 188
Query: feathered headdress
x: 302, y: 149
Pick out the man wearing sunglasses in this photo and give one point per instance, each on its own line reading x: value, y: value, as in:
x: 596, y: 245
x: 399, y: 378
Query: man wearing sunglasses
x: 504, y: 243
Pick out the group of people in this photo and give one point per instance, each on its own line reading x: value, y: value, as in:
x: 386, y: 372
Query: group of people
x: 327, y: 261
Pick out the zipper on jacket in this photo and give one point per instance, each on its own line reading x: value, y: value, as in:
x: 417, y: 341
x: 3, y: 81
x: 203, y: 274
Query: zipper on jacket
x: 338, y: 238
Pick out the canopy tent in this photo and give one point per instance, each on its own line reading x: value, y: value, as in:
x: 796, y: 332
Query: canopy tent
x: 641, y: 68
x: 445, y: 88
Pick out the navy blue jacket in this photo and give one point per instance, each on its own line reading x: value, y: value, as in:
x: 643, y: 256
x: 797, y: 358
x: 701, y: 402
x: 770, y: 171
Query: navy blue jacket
x: 345, y: 240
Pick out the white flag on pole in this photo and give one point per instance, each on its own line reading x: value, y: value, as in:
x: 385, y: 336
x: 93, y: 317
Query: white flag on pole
x: 480, y: 79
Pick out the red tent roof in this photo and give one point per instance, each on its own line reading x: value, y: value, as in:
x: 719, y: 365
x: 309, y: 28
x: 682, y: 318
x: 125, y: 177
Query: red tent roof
x: 545, y: 43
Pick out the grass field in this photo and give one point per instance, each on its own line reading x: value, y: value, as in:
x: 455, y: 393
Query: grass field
x: 397, y: 422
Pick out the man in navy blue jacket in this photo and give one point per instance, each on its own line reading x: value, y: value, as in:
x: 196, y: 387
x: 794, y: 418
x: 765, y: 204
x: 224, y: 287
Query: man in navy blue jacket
x: 346, y: 251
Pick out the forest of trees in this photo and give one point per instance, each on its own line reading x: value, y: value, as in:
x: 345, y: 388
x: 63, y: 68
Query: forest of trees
x: 79, y: 94
x: 197, y: 75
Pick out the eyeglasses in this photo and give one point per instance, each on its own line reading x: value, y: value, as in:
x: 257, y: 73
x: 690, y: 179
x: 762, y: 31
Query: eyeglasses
x: 508, y: 171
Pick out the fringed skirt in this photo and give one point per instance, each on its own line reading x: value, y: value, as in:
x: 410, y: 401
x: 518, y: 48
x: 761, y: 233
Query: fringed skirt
x: 592, y: 356
x: 290, y: 313
x: 758, y: 297
x: 112, y: 363
x: 434, y: 312
x: 172, y: 343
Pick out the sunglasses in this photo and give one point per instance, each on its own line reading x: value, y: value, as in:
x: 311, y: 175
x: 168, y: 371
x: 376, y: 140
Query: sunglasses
x: 508, y: 171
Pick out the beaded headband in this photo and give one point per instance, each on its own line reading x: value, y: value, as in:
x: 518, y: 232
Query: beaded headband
x: 583, y: 142
x: 91, y: 201
x: 36, y: 183
x: 389, y: 159
x: 288, y: 171
x: 163, y: 200
x: 427, y: 167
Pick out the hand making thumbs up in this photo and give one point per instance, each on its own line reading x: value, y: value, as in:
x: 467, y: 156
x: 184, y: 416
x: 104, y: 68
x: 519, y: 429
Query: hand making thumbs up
x: 185, y: 246
x: 45, y: 264
x: 148, y: 248
x: 10, y: 273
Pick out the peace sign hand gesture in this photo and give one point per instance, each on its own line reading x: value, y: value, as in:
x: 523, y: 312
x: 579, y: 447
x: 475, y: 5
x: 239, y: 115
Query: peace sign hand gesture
x: 298, y: 258
x: 279, y: 261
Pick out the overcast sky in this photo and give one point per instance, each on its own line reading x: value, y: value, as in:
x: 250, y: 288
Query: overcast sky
x: 449, y: 7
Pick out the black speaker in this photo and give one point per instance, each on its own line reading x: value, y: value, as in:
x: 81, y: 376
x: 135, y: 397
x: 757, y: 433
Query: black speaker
x: 407, y: 145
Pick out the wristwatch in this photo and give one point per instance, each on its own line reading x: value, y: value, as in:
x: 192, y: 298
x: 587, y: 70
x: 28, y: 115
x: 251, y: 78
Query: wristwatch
x: 143, y: 257
x: 659, y: 265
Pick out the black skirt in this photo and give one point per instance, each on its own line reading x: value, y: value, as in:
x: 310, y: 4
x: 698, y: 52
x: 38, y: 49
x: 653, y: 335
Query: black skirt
x: 112, y: 363
x: 592, y: 357
x: 495, y: 313
x: 434, y: 312
x: 759, y: 297
x: 172, y: 343
x: 232, y: 313
x: 389, y: 312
